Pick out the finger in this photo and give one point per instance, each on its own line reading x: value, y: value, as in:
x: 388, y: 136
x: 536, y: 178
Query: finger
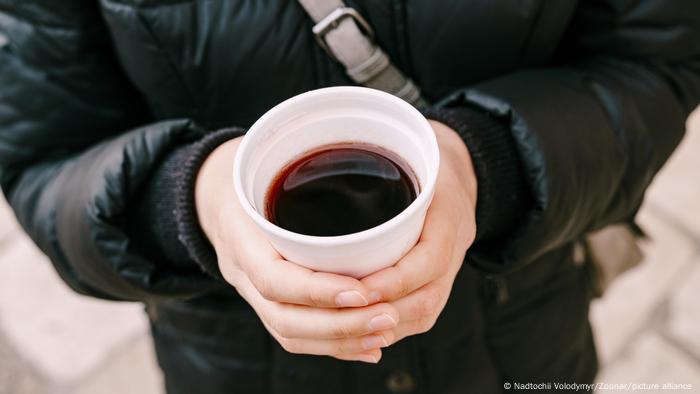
x: 294, y: 321
x: 431, y: 258
x: 297, y: 321
x: 326, y: 347
x: 426, y: 262
x: 282, y: 281
x: 424, y: 304
x: 421, y: 309
x: 366, y: 349
x: 422, y: 265
x: 415, y: 327
x: 371, y: 357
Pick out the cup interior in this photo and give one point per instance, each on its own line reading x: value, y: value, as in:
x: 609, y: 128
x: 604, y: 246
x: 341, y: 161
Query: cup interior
x: 330, y: 116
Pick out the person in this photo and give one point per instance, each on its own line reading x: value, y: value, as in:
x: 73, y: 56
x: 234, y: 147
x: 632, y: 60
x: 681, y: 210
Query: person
x: 119, y: 121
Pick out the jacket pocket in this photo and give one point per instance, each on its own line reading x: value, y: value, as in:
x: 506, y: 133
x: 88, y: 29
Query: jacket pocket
x: 542, y: 332
x: 209, y: 350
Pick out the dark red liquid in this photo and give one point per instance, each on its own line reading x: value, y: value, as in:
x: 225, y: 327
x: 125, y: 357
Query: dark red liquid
x: 340, y: 189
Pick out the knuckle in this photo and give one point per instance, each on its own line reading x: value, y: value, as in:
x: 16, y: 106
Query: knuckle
x: 471, y: 235
x: 441, y: 266
x: 442, y: 270
x: 290, y: 345
x: 265, y: 286
x: 401, y: 285
x: 315, y: 297
x: 437, y: 257
x: 434, y: 252
x: 341, y: 331
x: 231, y: 274
x: 280, y: 327
x: 389, y: 336
x: 444, y: 245
x: 347, y: 347
x: 429, y: 303
x: 340, y: 357
x: 426, y: 324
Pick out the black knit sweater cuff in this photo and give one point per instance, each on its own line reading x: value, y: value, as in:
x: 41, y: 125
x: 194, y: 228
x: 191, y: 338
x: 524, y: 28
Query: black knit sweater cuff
x: 502, y: 197
x: 165, y: 222
x: 189, y: 231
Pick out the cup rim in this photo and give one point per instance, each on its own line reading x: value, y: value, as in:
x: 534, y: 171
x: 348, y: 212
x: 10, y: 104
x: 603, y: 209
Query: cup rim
x: 423, y: 198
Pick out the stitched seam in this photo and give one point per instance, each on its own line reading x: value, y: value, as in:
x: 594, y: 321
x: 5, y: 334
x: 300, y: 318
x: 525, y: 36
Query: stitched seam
x: 531, y: 32
x: 171, y: 64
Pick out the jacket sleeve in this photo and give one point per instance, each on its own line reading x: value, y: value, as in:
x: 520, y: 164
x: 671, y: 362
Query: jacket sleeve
x: 591, y: 131
x: 72, y: 154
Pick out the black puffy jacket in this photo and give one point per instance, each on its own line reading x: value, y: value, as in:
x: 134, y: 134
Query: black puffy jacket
x: 95, y: 94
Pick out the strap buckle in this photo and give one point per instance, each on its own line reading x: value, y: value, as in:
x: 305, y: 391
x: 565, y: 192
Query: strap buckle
x: 332, y: 21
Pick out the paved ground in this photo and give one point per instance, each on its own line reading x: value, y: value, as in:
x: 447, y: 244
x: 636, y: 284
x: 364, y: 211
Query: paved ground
x: 647, y: 327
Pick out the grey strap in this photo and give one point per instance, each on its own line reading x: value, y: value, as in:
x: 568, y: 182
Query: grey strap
x: 349, y: 39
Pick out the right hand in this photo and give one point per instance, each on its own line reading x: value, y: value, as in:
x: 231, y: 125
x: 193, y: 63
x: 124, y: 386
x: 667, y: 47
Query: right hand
x: 307, y: 312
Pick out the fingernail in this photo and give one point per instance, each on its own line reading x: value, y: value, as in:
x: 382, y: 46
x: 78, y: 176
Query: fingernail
x: 375, y: 297
x: 350, y: 298
x: 374, y: 342
x: 382, y: 322
x: 368, y: 358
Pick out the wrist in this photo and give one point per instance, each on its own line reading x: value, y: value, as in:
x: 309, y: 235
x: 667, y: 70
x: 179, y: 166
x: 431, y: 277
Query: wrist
x: 503, y: 191
x: 456, y: 157
x: 214, y: 187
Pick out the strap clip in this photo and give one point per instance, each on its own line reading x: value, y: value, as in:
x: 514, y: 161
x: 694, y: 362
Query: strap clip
x: 332, y: 21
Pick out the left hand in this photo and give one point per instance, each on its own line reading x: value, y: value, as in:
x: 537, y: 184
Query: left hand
x: 420, y: 283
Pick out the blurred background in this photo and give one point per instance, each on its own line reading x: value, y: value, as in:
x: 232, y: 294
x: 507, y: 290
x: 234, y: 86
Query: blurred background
x: 647, y: 326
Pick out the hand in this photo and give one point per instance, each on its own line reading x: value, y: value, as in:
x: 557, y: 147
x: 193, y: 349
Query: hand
x: 306, y: 312
x: 420, y: 283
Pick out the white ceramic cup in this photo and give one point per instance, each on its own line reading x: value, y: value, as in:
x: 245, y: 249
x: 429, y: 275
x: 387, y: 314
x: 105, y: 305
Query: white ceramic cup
x: 328, y: 116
